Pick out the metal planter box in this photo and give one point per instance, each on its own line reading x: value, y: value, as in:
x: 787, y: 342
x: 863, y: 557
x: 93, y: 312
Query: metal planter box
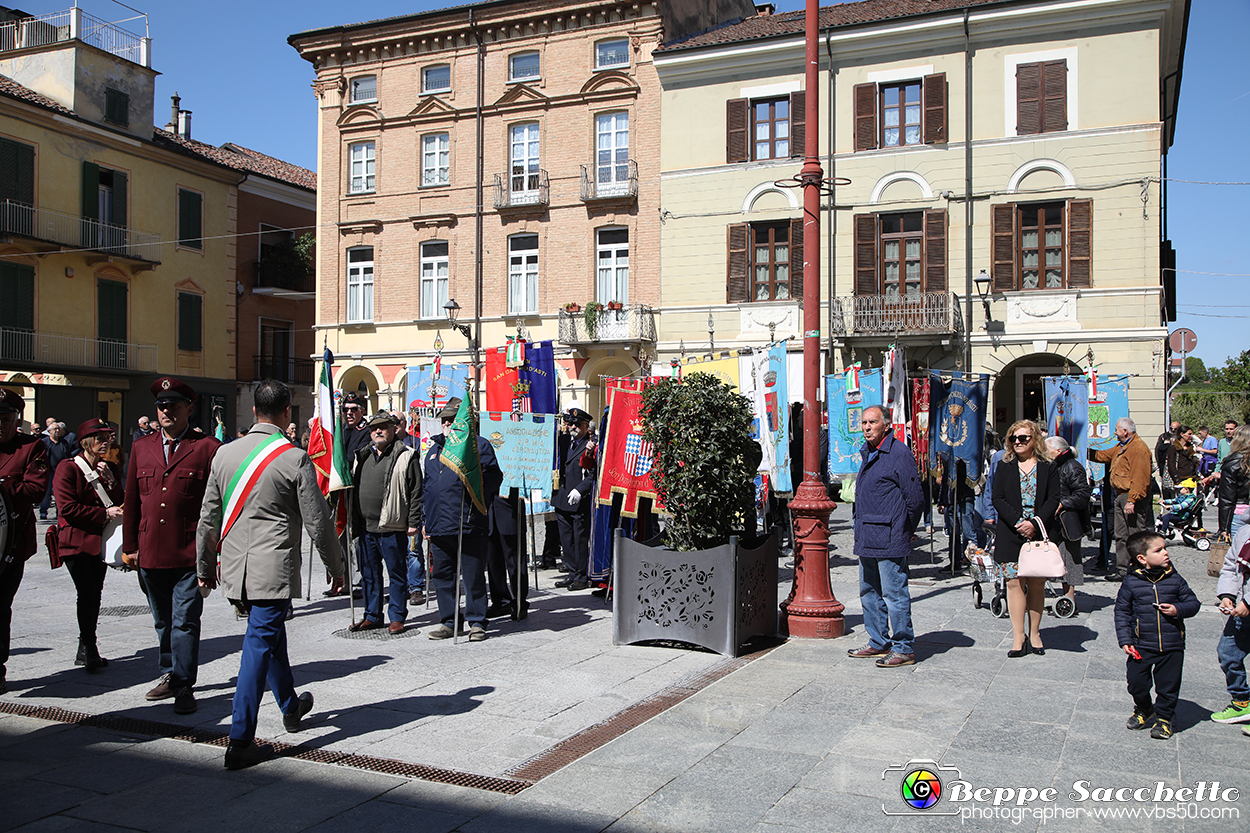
x: 717, y: 598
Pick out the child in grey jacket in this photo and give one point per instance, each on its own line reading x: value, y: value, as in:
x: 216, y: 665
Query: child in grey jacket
x: 1234, y: 592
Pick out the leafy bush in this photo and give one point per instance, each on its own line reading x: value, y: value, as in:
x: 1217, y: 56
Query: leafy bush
x: 705, y: 457
x: 1205, y: 407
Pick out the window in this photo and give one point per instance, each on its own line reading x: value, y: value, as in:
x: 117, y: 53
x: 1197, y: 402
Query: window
x: 523, y: 66
x: 190, y: 321
x: 765, y: 261
x: 900, y: 257
x: 769, y: 128
x: 612, y: 265
x: 900, y: 113
x: 360, y: 168
x: 434, y: 271
x: 360, y: 285
x: 902, y: 238
x: 116, y: 107
x: 1041, y: 97
x: 523, y: 273
x: 104, y: 201
x: 435, y: 159
x: 524, y: 177
x: 17, y: 313
x: 112, y: 306
x: 364, y: 89
x: 1042, y: 245
x: 190, y: 219
x: 276, y: 347
x: 612, y: 53
x: 17, y: 185
x: 436, y: 79
x: 612, y: 153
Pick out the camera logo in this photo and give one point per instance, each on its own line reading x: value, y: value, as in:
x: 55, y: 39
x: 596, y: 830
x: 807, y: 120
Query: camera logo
x: 919, y: 787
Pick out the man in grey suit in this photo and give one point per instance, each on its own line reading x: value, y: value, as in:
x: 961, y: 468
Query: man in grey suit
x: 254, y: 519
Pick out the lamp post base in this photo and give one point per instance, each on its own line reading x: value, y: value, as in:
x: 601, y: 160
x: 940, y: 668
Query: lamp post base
x: 811, y: 611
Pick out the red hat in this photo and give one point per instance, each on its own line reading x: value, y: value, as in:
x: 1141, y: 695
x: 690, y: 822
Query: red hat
x: 169, y: 389
x: 11, y: 402
x: 92, y: 427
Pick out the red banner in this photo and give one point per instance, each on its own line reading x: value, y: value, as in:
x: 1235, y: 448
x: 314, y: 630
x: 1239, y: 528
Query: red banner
x: 920, y: 423
x: 500, y: 381
x: 627, y: 459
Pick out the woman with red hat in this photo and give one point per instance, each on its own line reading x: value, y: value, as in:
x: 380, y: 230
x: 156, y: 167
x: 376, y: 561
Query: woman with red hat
x: 81, y: 518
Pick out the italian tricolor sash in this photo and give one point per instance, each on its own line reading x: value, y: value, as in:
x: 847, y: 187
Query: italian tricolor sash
x: 248, y: 475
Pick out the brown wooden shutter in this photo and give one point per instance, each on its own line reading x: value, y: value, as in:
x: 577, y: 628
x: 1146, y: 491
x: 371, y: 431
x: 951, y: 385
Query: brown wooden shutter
x: 738, y: 240
x: 935, y: 250
x: 1054, y: 92
x: 1028, y: 99
x: 934, y: 93
x: 798, y: 124
x: 1004, y: 222
x: 796, y: 258
x: 865, y: 116
x: 737, y: 117
x: 1080, y: 243
x: 866, y: 254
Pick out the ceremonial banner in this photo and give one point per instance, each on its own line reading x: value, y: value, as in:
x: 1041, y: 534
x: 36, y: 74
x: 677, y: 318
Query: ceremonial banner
x: 325, y: 448
x: 626, y: 458
x: 724, y: 367
x: 500, y: 381
x: 429, y: 391
x: 524, y: 446
x: 846, y: 411
x: 1067, y: 411
x: 920, y: 423
x: 1109, y: 404
x: 460, y: 453
x: 539, y: 372
x: 958, y: 423
x: 896, y: 391
x: 764, y: 384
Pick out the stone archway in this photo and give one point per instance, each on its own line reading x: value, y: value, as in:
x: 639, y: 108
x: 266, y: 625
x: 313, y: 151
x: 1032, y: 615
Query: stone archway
x: 1018, y: 391
x: 350, y: 379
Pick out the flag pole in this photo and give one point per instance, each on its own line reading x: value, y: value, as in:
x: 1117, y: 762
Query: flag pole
x: 455, y: 625
x: 517, y: 601
x: 347, y: 561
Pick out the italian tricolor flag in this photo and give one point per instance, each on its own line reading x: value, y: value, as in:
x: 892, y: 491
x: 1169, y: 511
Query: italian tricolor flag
x: 325, y: 447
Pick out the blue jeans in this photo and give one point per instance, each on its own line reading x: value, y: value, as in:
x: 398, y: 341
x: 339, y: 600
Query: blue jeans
x: 392, y: 548
x: 416, y: 567
x: 1231, y: 650
x: 472, y: 575
x: 264, y: 660
x: 174, y: 597
x: 887, y: 603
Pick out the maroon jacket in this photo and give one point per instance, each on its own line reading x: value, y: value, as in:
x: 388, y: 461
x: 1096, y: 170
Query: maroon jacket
x: 24, y: 467
x: 80, y: 514
x: 163, y: 501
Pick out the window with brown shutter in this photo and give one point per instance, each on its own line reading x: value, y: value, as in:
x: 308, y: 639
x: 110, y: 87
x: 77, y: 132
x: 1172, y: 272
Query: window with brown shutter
x: 798, y: 124
x: 1004, y: 232
x: 1043, y: 245
x: 935, y: 108
x: 770, y: 256
x: 865, y: 96
x: 1080, y: 243
x: 1041, y: 97
x: 901, y: 113
x: 866, y: 254
x: 796, y: 258
x: 935, y: 250
x: 736, y: 242
x: 737, y: 111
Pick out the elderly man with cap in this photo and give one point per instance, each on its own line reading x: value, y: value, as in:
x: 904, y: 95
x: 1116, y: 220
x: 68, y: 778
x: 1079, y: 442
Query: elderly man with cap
x: 23, y: 480
x: 575, y: 498
x: 164, y: 491
x: 386, y: 509
x: 453, y: 521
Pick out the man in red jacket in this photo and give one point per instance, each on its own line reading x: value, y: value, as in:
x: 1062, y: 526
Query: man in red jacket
x: 164, y: 489
x: 23, y: 483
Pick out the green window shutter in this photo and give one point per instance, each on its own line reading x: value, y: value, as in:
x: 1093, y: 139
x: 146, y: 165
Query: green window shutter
x: 190, y: 321
x: 120, y: 189
x: 190, y: 219
x: 90, y: 190
x: 117, y: 107
x: 112, y: 323
x: 17, y: 287
x: 17, y: 172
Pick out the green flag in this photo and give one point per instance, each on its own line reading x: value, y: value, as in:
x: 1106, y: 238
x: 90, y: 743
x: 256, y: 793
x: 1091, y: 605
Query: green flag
x: 460, y: 453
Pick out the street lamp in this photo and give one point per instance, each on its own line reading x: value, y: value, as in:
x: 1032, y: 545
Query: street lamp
x: 453, y: 313
x: 983, y: 289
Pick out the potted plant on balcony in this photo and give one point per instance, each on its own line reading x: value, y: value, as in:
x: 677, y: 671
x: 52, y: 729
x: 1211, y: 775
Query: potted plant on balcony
x: 615, y: 305
x: 714, y: 583
x: 572, y: 306
x: 591, y: 317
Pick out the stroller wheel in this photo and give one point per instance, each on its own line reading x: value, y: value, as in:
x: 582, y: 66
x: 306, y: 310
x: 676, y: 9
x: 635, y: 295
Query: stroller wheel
x: 998, y: 607
x: 1203, y: 544
x: 1065, y: 607
x: 977, y: 596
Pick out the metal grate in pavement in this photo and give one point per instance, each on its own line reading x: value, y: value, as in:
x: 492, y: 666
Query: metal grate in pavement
x: 376, y: 633
x: 126, y: 610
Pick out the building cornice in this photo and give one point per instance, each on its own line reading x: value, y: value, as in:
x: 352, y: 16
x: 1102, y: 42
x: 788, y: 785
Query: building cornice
x: 270, y: 189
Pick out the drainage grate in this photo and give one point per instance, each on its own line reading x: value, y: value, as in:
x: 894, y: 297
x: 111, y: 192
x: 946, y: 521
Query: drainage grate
x: 126, y: 610
x: 377, y: 633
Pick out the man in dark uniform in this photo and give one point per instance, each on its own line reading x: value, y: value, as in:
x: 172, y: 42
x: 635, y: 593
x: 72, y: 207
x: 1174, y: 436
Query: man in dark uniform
x: 575, y: 498
x: 164, y: 490
x: 502, y: 556
x: 24, y: 479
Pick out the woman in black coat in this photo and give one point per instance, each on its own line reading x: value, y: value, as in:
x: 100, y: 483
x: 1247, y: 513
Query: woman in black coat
x: 1234, y: 481
x: 1026, y: 486
x: 1074, y: 492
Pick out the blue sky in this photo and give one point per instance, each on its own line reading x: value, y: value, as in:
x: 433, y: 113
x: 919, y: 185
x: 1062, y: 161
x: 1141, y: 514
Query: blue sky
x: 231, y: 63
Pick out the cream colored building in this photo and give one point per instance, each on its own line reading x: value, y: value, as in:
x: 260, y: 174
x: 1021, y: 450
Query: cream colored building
x: 504, y: 155
x: 1057, y: 198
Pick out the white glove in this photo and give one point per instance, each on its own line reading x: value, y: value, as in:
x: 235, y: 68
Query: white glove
x: 575, y: 497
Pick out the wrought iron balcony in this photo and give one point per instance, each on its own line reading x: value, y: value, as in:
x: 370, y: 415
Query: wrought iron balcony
x: 523, y: 190
x: 623, y: 185
x: 75, y: 24
x: 630, y: 324
x: 866, y: 316
x: 285, y: 369
x: 55, y: 351
x: 21, y: 220
x: 285, y: 276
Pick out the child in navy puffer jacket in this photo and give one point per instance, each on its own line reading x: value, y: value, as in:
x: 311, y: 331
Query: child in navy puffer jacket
x: 1150, y: 611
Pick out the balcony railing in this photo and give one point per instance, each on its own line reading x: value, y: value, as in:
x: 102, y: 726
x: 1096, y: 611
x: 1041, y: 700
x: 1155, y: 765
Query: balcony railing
x: 64, y: 351
x: 77, y: 232
x: 631, y: 324
x: 75, y: 24
x: 522, y: 190
x: 927, y: 313
x: 290, y: 370
x: 623, y: 184
x: 292, y: 277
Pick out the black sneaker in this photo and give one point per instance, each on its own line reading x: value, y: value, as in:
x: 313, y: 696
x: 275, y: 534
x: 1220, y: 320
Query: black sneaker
x: 1162, y: 730
x: 1140, y: 720
x: 239, y: 755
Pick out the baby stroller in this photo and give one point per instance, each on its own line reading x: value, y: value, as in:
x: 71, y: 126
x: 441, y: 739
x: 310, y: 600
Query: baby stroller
x: 982, y: 568
x: 1182, y: 526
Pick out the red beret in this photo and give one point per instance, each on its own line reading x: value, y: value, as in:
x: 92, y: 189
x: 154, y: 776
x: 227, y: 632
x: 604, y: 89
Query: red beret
x: 92, y: 427
x: 11, y: 402
x: 169, y: 389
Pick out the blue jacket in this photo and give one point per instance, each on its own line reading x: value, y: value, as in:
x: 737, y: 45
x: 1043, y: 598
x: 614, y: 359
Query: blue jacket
x: 888, y: 500
x: 1138, y: 623
x: 442, y: 490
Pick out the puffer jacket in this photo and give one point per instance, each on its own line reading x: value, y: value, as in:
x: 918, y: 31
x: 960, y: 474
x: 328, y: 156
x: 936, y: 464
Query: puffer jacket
x: 1234, y: 488
x: 1234, y: 582
x: 1138, y: 623
x: 1074, y: 488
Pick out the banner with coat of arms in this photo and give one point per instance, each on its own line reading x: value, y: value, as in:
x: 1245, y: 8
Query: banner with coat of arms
x: 1108, y: 402
x: 764, y: 382
x: 626, y: 457
x: 957, y: 424
x: 1067, y: 411
x: 524, y: 446
x: 920, y: 423
x: 848, y: 394
x: 430, y: 387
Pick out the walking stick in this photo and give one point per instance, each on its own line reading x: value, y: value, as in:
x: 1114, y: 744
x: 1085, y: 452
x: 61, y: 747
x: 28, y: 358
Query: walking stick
x: 347, y: 560
x: 533, y: 548
x: 455, y: 625
x: 517, y: 601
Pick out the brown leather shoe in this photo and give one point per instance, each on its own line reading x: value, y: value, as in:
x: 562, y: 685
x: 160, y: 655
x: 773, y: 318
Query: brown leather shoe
x: 894, y: 660
x: 867, y: 652
x: 365, y: 624
x: 161, y: 691
x: 395, y: 627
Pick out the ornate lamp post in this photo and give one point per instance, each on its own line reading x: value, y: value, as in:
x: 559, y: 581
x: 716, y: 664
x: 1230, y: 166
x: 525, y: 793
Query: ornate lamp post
x: 811, y: 611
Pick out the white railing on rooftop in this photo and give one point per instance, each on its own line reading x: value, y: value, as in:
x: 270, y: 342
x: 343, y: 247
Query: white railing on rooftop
x: 75, y: 24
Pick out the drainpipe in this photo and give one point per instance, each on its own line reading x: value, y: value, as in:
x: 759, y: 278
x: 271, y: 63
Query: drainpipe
x: 967, y: 199
x: 478, y: 219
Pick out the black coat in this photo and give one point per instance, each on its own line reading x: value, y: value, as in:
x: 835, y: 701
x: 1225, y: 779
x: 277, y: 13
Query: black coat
x: 573, y: 476
x: 1007, y: 506
x: 1074, y: 488
x: 1234, y: 488
x: 1138, y: 623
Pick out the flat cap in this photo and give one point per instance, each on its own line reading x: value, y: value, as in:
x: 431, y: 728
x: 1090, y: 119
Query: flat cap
x: 450, y: 409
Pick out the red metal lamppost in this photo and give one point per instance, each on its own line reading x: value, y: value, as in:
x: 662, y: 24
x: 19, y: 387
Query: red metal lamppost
x: 811, y: 611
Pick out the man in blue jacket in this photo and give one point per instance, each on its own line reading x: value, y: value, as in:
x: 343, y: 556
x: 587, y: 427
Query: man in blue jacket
x: 888, y: 502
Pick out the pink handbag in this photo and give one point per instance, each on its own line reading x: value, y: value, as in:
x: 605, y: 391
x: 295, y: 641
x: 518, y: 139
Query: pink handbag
x: 1040, y: 559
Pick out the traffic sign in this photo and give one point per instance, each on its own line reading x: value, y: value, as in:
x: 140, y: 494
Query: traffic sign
x: 1182, y: 341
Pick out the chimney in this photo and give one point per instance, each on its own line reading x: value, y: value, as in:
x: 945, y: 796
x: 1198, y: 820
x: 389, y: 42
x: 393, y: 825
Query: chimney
x: 184, y: 124
x: 764, y: 9
x: 174, y: 102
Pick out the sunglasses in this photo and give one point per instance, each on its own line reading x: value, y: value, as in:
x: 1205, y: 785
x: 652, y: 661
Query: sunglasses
x: 1021, y: 438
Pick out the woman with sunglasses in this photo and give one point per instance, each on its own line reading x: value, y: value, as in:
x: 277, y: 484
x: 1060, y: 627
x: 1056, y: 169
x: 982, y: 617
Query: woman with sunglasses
x: 1026, y: 488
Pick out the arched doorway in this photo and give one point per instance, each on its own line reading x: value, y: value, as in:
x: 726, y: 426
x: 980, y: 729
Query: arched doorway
x: 351, y: 379
x: 1019, y: 392
x: 595, y: 372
